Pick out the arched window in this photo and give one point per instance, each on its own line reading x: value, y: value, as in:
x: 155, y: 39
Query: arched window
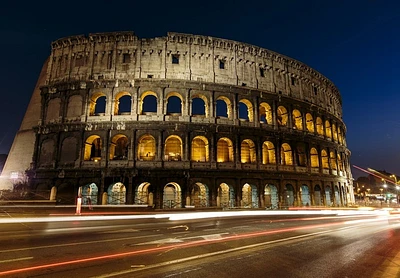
x: 119, y: 147
x: 200, y: 149
x: 286, y: 154
x: 199, y: 106
x: 333, y: 160
x: 328, y: 129
x: 301, y: 155
x: 173, y: 148
x: 265, y: 113
x: 246, y: 111
x: 282, y: 116
x: 97, y: 104
x: 74, y: 108
x: 319, y: 125
x: 146, y: 148
x: 334, y: 133
x: 268, y: 153
x: 148, y: 103
x: 314, y: 158
x: 223, y: 107
x: 122, y: 105
x: 324, y: 159
x: 93, y: 147
x: 309, y: 122
x: 224, y: 150
x: 297, y: 120
x: 174, y: 104
x: 248, y: 151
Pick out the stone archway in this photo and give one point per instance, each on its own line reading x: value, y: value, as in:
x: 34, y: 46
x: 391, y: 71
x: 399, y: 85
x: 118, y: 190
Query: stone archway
x: 172, y: 196
x: 271, y: 196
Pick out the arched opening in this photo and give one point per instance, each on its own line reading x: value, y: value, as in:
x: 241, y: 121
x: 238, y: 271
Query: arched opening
x: 97, y: 104
x: 249, y: 196
x: 199, y: 106
x: 224, y: 150
x: 142, y: 194
x: 199, y: 195
x: 119, y: 147
x: 305, y: 196
x: 89, y: 194
x: 93, y: 148
x: 333, y: 160
x: 173, y: 148
x: 324, y: 159
x: 334, y: 133
x: 74, y: 106
x: 319, y: 125
x: 225, y: 196
x: 282, y: 116
x: 123, y: 103
x: 265, y: 113
x: 147, y: 148
x: 289, y: 195
x: 223, y: 107
x: 271, y: 196
x: 200, y: 151
x: 314, y: 158
x: 174, y: 104
x: 328, y: 130
x: 116, y: 194
x: 247, y: 151
x: 317, y: 195
x: 286, y: 154
x: 328, y: 199
x: 310, y: 122
x: 172, y: 196
x: 268, y: 151
x: 301, y: 155
x: 148, y: 103
x: 297, y: 120
x: 338, y: 201
x: 246, y: 110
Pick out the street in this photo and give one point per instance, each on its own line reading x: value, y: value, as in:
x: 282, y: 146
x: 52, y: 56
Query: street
x: 202, y: 244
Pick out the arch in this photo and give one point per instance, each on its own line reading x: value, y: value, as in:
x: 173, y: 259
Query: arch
x: 74, y: 107
x: 119, y: 147
x: 142, y: 193
x: 146, y: 148
x: 334, y: 133
x: 247, y: 151
x: 97, y: 105
x: 320, y: 126
x: 314, y: 158
x: 93, y: 147
x: 172, y: 197
x: 268, y: 153
x: 53, y: 110
x: 116, y: 194
x: 339, y: 162
x: 225, y: 196
x: 328, y: 199
x: 248, y: 111
x: 286, y: 154
x: 305, y: 195
x: 324, y: 159
x: 249, y: 196
x: 200, y: 149
x: 332, y: 157
x: 340, y: 136
x: 297, y: 119
x: 89, y: 194
x: 224, y: 150
x: 265, y: 113
x: 289, y: 195
x: 199, y: 195
x: 301, y: 155
x: 174, y: 103
x: 123, y: 103
x: 46, y: 152
x: 200, y: 105
x: 223, y: 107
x: 317, y: 195
x: 282, y: 116
x: 328, y: 129
x: 173, y: 148
x: 271, y: 196
x: 338, y: 200
x: 148, y: 103
x: 310, y: 123
x: 68, y: 150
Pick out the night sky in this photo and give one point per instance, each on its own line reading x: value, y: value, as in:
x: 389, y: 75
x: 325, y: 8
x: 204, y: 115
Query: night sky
x: 355, y: 44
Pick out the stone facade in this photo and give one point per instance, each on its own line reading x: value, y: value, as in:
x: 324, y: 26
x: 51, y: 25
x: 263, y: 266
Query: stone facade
x: 186, y: 120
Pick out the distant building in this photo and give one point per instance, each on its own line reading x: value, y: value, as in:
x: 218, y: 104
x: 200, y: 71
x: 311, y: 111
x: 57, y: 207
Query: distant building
x: 182, y: 121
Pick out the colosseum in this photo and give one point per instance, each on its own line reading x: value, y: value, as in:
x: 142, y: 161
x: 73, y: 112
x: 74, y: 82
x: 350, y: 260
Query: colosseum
x: 182, y: 121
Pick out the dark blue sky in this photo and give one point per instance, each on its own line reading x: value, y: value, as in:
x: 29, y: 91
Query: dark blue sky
x: 355, y: 44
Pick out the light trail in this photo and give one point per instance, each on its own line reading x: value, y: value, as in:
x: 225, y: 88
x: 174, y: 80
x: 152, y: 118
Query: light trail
x: 183, y: 245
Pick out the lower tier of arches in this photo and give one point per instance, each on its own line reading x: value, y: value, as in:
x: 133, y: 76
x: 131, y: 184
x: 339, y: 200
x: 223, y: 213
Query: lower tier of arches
x: 180, y: 189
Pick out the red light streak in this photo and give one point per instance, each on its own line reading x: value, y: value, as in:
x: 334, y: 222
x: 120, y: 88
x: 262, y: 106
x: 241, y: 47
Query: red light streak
x: 175, y: 246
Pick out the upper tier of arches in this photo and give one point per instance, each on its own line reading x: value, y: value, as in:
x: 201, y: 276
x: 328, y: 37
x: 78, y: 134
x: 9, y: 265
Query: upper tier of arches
x: 123, y: 56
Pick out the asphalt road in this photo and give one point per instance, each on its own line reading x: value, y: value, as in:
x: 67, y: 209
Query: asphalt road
x: 224, y: 244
